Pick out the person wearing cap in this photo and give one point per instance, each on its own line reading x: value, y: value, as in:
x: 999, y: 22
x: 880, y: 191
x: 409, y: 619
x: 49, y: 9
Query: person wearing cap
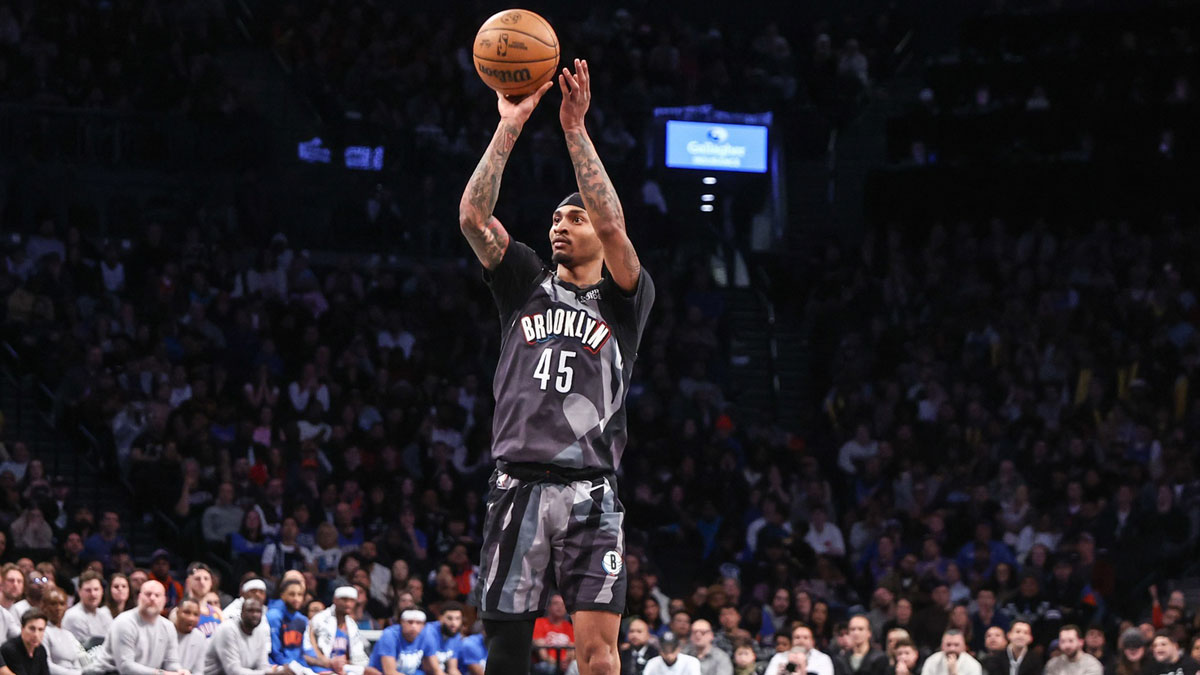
x: 333, y: 640
x: 1017, y: 658
x: 160, y: 571
x: 88, y: 618
x: 239, y: 648
x: 671, y: 660
x: 193, y: 644
x: 570, y: 335
x: 1166, y: 658
x: 1072, y: 660
x: 142, y: 641
x: 1132, y: 656
x: 288, y: 624
x: 251, y: 588
x: 405, y: 648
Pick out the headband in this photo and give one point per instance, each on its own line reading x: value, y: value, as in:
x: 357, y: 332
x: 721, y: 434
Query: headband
x: 412, y: 615
x: 254, y: 585
x: 346, y: 592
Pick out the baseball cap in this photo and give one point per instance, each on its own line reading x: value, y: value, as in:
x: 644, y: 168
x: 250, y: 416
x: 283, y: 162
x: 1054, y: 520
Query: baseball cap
x: 668, y: 641
x: 160, y: 553
x: 1132, y: 639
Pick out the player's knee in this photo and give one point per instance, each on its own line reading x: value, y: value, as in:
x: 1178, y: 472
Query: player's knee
x: 600, y: 657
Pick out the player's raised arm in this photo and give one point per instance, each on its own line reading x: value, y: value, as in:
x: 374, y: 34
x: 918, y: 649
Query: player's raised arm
x: 599, y: 196
x: 487, y: 236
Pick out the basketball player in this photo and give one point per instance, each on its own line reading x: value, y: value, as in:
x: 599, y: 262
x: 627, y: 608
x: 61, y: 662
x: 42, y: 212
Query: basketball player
x: 570, y: 332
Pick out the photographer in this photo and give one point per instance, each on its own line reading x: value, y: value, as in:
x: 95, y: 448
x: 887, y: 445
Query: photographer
x: 795, y: 660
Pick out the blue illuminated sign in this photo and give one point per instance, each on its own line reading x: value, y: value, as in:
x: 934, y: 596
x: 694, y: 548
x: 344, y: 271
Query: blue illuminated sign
x: 721, y: 147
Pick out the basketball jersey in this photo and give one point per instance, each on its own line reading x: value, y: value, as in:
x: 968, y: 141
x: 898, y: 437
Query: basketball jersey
x: 566, y: 357
x: 208, y: 623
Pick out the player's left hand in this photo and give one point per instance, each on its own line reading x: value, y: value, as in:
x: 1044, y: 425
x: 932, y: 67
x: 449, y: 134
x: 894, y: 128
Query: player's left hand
x: 577, y: 94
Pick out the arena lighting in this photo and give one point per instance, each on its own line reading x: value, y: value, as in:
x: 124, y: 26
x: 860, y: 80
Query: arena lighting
x: 709, y: 180
x: 708, y: 198
x: 707, y: 208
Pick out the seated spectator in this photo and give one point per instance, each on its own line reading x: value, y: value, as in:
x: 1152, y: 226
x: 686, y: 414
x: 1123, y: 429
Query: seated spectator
x: 100, y: 546
x: 118, y: 597
x: 193, y: 644
x: 639, y: 651
x: 713, y: 661
x: 238, y: 648
x: 223, y: 518
x: 671, y: 659
x: 143, y: 642
x: 404, y: 648
x: 25, y: 654
x: 1072, y: 660
x: 36, y: 585
x: 553, y: 630
x: 818, y: 662
x: 288, y: 624
x: 286, y: 553
x: 445, y: 637
x: 953, y: 659
x: 472, y: 657
x: 1132, y: 656
x: 745, y: 660
x: 88, y: 619
x: 251, y: 588
x: 199, y: 584
x: 12, y: 592
x: 986, y: 616
x: 62, y: 649
x: 333, y: 640
x: 160, y: 571
x: 1167, y: 657
x: 908, y: 658
x: 863, y: 656
x: 1017, y: 658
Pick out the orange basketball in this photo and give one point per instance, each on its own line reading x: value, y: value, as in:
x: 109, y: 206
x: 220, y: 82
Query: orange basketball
x: 516, y: 51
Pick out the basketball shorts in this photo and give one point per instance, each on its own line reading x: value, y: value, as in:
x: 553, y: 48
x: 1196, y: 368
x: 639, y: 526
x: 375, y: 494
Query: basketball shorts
x: 546, y: 534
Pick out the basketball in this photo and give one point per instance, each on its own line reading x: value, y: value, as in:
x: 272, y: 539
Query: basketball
x: 516, y: 51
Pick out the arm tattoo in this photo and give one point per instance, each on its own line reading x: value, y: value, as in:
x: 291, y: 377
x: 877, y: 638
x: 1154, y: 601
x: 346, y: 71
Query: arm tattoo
x: 599, y: 195
x: 485, y: 234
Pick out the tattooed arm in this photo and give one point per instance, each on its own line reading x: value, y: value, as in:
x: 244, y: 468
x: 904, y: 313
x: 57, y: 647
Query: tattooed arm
x: 483, y: 231
x: 599, y: 195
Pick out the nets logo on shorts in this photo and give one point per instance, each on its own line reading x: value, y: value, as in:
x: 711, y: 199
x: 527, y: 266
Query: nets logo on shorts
x: 611, y: 562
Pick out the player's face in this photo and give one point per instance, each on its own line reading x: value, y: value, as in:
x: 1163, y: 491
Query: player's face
x: 452, y: 621
x: 572, y: 239
x: 411, y: 628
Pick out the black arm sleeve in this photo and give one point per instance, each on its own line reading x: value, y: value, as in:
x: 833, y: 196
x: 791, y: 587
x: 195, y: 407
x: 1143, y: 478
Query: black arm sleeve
x: 514, y: 278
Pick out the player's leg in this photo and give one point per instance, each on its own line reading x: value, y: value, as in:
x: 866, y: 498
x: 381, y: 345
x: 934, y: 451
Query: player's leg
x: 509, y: 644
x: 596, y: 642
x: 513, y: 572
x: 591, y: 574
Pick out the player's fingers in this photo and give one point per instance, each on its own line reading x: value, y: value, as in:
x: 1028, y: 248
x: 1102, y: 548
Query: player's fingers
x: 571, y: 80
x: 585, y: 74
x: 537, y: 95
x: 562, y: 83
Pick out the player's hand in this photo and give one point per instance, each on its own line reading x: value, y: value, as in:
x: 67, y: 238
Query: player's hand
x: 519, y: 110
x: 577, y: 95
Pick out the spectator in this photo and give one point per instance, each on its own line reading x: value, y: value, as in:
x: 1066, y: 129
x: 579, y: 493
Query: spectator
x: 13, y: 592
x: 193, y: 645
x: 24, y: 654
x: 856, y: 451
x: 953, y: 659
x: 286, y: 553
x: 249, y: 542
x: 199, y: 584
x: 333, y: 638
x: 118, y: 596
x: 1017, y: 658
x: 62, y: 649
x: 1167, y: 657
x: 100, y: 546
x: 817, y: 661
x: 88, y: 619
x: 223, y: 518
x: 908, y: 658
x: 238, y: 648
x: 671, y: 659
x: 745, y: 660
x: 445, y: 639
x: 1132, y: 657
x: 794, y: 660
x: 862, y: 657
x: 143, y: 642
x: 288, y: 624
x: 404, y: 648
x: 36, y: 585
x: 713, y: 661
x: 986, y: 616
x: 823, y: 536
x: 1072, y: 660
x: 160, y: 571
x: 31, y: 531
x: 251, y: 588
x: 639, y: 651
x: 553, y: 630
x: 776, y: 615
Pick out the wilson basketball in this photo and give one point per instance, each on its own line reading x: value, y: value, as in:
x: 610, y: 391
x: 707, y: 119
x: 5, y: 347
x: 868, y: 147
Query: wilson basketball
x: 516, y: 51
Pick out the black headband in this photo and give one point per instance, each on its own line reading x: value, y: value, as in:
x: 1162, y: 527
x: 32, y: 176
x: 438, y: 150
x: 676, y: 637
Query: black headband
x: 573, y: 199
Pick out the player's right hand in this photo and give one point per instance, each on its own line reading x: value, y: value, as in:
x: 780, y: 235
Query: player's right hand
x: 519, y: 110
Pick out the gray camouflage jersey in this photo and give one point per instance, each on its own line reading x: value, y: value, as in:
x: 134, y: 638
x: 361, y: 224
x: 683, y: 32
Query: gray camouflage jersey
x: 566, y: 356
